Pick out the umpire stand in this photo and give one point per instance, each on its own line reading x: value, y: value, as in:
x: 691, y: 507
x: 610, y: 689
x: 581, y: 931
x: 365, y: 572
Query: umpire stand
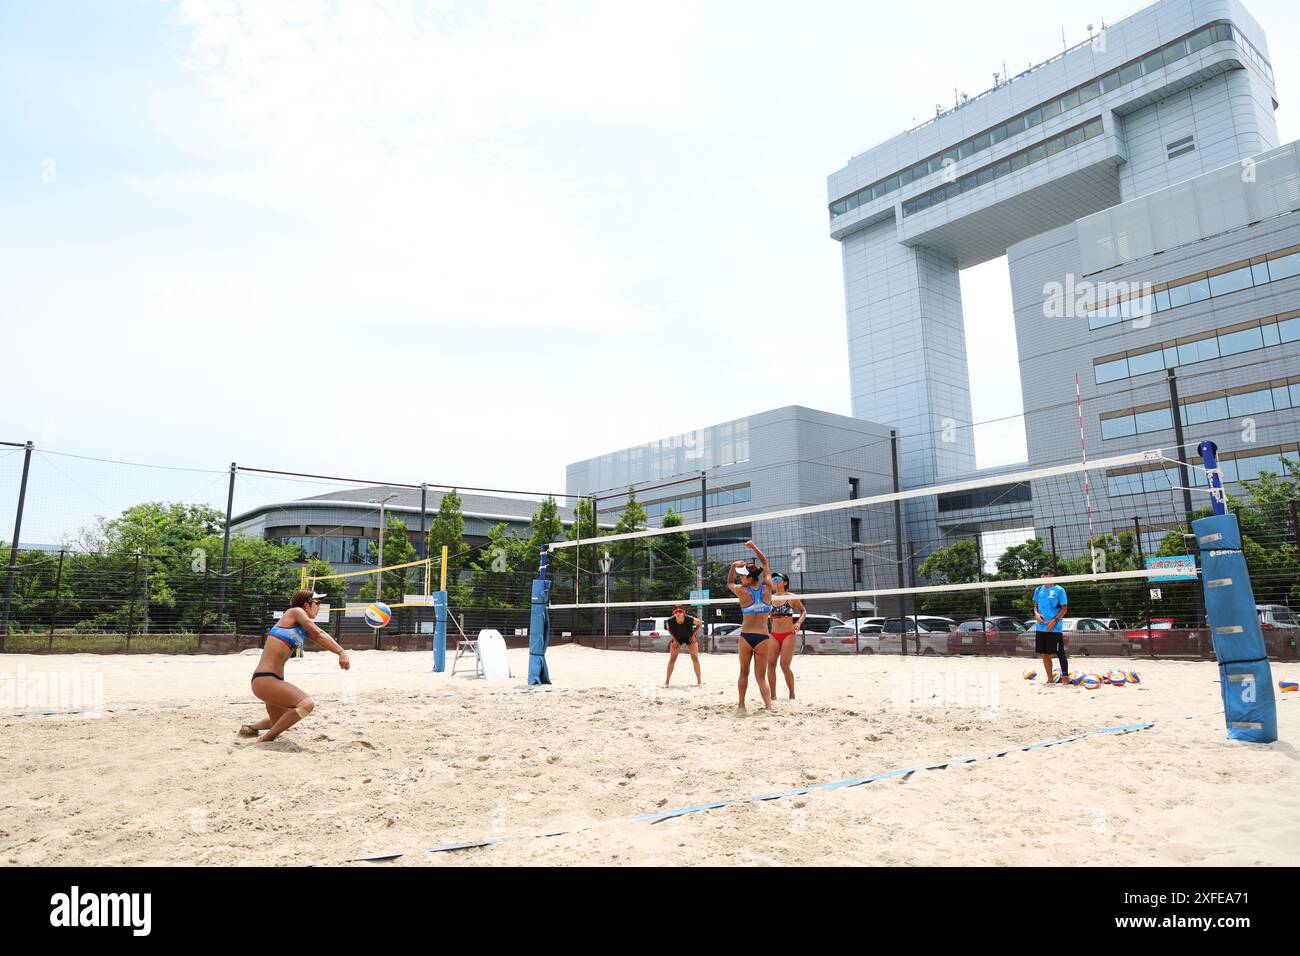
x: 539, y: 626
x: 1245, y: 677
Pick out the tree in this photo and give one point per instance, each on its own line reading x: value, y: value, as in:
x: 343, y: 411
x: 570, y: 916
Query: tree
x: 674, y: 566
x: 398, y: 582
x: 631, y: 557
x: 957, y: 563
x: 447, y: 530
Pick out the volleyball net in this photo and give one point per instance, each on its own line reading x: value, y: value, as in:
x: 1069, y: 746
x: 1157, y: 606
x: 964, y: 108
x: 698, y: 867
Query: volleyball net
x: 959, y: 551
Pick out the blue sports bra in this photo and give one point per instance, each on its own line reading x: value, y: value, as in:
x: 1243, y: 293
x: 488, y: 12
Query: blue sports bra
x: 293, y: 636
x: 758, y: 607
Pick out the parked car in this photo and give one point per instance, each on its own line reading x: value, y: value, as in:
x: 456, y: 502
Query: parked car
x: 926, y: 635
x: 1276, y: 615
x: 815, y: 630
x: 650, y: 634
x: 817, y: 639
x: 995, y: 634
x: 1169, y: 637
x: 866, y: 625
x: 840, y: 639
x: 1090, y: 637
x: 1280, y: 627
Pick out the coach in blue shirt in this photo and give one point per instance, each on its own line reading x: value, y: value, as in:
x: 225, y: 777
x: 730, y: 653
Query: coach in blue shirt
x: 1050, y: 605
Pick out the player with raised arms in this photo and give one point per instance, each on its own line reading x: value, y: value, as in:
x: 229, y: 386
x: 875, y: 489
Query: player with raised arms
x: 784, y: 628
x: 285, y: 703
x: 755, y: 595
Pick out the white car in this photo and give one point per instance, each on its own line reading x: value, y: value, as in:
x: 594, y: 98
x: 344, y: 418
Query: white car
x: 926, y: 633
x: 1276, y: 615
x: 651, y: 634
x: 866, y: 625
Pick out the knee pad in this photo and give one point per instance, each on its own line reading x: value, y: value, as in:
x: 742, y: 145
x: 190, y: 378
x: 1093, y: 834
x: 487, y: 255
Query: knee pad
x: 305, y: 707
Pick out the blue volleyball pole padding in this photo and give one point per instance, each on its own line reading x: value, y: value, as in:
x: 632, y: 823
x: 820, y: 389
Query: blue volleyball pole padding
x: 539, y: 627
x: 1245, y: 677
x: 439, y: 631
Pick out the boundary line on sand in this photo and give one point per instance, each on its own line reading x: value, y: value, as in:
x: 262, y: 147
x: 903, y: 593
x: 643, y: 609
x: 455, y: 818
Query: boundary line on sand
x: 663, y: 815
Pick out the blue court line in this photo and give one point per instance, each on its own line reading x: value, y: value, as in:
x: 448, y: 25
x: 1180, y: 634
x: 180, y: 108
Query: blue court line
x: 663, y: 815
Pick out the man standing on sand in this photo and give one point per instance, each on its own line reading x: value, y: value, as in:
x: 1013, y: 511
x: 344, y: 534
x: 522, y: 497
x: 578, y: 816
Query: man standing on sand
x: 1049, y: 607
x: 684, y: 630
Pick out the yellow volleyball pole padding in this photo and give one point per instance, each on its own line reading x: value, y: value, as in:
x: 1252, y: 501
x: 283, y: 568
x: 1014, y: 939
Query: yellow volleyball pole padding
x: 444, y: 569
x: 303, y: 584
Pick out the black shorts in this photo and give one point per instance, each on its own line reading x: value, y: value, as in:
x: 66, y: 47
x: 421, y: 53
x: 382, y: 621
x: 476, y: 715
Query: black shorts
x: 683, y: 641
x: 1049, y: 642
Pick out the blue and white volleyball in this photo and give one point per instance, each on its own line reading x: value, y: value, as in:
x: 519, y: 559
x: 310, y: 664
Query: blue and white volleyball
x: 1092, y: 682
x: 378, y: 614
x: 1076, y: 677
x: 1029, y: 674
x: 1133, y: 677
x: 1117, y: 678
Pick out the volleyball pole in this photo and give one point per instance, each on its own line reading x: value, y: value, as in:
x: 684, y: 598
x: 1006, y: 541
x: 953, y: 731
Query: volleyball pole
x: 539, y: 626
x: 440, y: 618
x: 1245, y: 677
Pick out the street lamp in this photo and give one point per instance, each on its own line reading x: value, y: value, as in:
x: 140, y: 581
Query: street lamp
x: 379, y: 574
x: 606, y: 562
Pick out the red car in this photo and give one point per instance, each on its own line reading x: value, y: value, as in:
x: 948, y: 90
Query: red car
x: 1170, y: 637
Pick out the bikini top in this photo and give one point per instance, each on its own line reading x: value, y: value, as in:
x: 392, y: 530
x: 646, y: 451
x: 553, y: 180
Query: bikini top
x: 783, y: 610
x: 759, y: 606
x: 293, y: 636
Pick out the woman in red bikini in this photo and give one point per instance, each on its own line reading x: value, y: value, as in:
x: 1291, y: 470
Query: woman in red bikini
x: 784, y: 628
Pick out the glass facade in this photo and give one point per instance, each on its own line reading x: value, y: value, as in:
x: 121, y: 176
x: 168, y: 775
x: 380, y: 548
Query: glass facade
x: 1268, y: 332
x: 1081, y: 95
x: 334, y: 550
x: 687, y: 503
x: 1240, y: 275
x: 724, y: 444
x: 1013, y: 163
x: 1274, y: 397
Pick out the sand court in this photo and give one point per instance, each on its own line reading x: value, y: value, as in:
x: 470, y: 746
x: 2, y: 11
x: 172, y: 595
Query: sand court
x: 396, y: 760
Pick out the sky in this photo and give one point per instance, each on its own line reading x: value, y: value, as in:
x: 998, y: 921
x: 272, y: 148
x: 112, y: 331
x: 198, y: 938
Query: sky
x: 462, y: 243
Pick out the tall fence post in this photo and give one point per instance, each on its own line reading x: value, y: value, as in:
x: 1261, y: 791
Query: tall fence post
x: 13, y: 545
x: 58, y: 588
x: 225, y: 554
x: 135, y: 584
x: 243, y: 573
x: 1295, y: 521
x: 898, y: 535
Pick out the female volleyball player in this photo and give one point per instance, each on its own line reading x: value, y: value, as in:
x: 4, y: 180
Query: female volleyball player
x: 684, y: 630
x: 285, y: 703
x: 784, y: 629
x: 755, y: 595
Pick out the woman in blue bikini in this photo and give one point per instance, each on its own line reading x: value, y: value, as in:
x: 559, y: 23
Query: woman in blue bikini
x: 755, y: 595
x: 285, y: 703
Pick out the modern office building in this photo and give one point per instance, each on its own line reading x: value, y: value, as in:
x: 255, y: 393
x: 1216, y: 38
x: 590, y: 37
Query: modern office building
x: 778, y: 459
x: 342, y: 527
x: 1201, y: 304
x: 1106, y: 162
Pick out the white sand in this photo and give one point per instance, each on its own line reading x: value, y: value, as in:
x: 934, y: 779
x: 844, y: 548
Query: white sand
x: 397, y: 759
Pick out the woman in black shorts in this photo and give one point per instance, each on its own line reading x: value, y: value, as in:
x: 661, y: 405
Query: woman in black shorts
x: 684, y: 630
x: 754, y: 592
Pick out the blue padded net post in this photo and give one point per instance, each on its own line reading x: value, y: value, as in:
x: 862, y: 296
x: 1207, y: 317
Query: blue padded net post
x: 1245, y: 677
x: 539, y: 627
x: 439, y: 631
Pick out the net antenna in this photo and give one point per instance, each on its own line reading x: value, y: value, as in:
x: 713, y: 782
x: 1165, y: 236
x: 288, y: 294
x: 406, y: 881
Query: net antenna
x: 1087, y: 484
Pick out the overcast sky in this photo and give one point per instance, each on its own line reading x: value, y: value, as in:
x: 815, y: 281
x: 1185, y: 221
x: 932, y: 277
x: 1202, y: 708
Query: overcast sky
x: 462, y: 243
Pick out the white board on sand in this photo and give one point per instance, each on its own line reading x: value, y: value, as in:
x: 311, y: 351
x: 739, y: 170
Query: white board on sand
x: 492, y: 653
